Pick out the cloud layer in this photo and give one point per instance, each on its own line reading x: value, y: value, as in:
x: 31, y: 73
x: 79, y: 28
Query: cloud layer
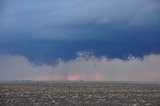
x: 84, y: 67
x: 44, y: 31
x: 60, y: 19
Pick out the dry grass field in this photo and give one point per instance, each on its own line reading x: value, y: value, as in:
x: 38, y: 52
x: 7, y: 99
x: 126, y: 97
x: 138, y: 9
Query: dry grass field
x: 79, y: 93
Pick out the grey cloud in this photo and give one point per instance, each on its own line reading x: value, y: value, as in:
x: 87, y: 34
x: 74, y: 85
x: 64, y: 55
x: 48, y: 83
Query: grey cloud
x: 118, y: 11
x: 84, y: 67
x: 35, y: 17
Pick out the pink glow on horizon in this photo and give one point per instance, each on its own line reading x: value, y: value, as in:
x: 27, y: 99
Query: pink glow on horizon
x: 74, y: 78
x: 49, y: 77
x: 143, y: 76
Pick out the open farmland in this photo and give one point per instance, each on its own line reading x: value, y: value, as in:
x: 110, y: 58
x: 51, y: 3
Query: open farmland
x: 79, y: 93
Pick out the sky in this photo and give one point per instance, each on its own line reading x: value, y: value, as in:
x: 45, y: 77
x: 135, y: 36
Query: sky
x: 80, y: 40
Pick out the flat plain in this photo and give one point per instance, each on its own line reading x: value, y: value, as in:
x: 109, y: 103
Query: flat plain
x: 79, y: 93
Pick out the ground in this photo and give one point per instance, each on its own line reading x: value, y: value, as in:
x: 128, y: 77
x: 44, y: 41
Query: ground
x: 79, y: 93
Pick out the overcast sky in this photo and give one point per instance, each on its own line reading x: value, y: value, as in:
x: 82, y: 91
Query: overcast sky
x: 40, y: 33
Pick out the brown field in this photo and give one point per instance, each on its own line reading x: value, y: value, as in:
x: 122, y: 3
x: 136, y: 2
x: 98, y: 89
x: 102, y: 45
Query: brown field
x: 79, y: 93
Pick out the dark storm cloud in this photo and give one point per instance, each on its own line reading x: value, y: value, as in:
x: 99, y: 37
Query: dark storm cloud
x: 48, y: 51
x: 105, y: 27
x: 122, y: 36
x: 60, y: 19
